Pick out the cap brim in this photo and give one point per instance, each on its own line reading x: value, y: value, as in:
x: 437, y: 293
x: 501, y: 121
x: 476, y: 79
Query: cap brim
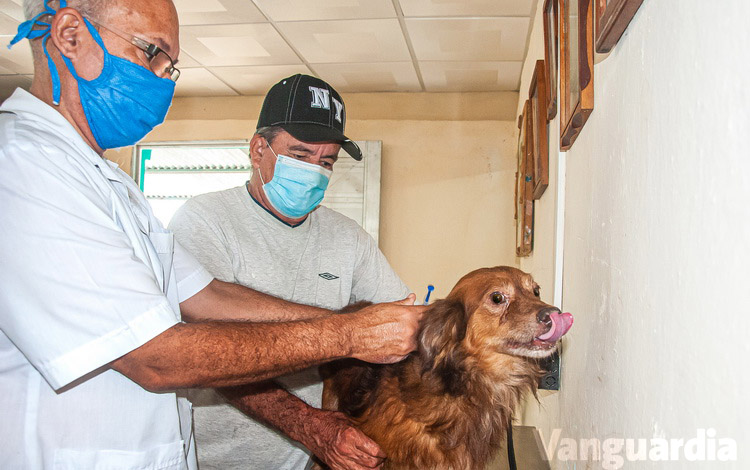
x: 352, y: 149
x: 317, y: 133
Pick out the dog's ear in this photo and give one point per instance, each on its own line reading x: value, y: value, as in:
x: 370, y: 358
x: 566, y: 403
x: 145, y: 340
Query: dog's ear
x: 443, y: 329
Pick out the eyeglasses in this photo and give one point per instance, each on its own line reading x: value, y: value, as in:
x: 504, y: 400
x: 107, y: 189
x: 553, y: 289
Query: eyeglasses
x: 159, y: 61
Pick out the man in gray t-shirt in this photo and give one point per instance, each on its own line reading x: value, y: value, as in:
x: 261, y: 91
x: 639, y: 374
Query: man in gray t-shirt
x: 273, y: 236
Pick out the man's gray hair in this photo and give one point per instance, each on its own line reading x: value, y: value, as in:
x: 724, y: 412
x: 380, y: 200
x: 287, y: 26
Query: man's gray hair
x: 92, y: 8
x: 269, y: 133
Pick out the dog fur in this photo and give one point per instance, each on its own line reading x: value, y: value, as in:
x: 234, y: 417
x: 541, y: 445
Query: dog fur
x: 448, y: 406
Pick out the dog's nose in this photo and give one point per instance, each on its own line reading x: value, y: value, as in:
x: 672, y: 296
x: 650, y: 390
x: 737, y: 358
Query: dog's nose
x: 544, y: 316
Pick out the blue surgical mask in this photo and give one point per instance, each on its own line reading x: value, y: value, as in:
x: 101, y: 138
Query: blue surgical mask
x: 296, y: 187
x: 123, y: 104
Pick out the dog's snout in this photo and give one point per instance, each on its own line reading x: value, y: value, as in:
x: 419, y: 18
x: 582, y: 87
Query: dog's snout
x: 544, y: 316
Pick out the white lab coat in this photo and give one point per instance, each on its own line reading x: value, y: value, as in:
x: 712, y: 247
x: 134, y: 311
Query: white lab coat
x: 87, y: 274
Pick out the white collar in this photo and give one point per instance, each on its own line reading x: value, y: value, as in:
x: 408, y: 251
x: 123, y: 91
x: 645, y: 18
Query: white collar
x: 30, y: 108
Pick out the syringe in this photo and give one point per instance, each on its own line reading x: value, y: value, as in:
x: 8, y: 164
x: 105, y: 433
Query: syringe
x: 430, y: 288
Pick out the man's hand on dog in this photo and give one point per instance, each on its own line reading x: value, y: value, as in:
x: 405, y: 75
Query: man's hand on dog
x: 386, y: 333
x: 341, y: 446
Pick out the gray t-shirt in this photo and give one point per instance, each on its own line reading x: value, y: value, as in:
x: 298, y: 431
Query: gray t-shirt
x: 327, y: 261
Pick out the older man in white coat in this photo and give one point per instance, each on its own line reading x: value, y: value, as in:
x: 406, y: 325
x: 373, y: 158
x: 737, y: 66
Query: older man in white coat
x: 95, y: 291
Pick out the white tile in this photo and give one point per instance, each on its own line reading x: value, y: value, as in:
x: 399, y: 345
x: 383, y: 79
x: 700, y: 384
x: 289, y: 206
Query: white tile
x: 201, y: 82
x: 471, y: 76
x: 17, y: 59
x: 241, y: 44
x: 12, y: 8
x: 185, y: 61
x: 199, y: 6
x: 477, y: 39
x: 374, y: 77
x: 348, y: 41
x: 8, y: 27
x: 196, y: 12
x: 305, y: 10
x: 256, y: 80
x: 466, y: 7
x: 234, y: 46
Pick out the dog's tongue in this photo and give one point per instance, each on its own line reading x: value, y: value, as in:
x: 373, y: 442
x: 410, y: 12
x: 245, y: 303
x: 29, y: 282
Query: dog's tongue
x: 561, y: 323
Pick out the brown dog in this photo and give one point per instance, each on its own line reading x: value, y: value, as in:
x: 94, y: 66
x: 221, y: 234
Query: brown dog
x: 448, y: 406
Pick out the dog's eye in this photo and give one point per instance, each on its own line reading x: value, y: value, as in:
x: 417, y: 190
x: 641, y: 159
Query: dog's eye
x: 536, y: 291
x: 499, y: 298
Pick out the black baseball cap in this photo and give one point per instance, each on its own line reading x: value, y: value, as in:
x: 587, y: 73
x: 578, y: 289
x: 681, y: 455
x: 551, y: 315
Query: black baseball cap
x: 309, y: 109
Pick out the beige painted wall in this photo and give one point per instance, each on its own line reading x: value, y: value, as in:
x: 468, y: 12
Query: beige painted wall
x: 656, y: 224
x: 448, y: 166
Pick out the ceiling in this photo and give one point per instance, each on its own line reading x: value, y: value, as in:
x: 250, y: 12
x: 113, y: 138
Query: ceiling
x: 242, y: 47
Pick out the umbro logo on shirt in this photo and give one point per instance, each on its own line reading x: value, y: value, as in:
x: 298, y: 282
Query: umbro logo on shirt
x: 328, y: 276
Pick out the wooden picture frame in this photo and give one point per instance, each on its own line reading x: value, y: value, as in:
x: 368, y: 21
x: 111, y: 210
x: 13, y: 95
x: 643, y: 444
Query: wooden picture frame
x: 576, y: 68
x: 612, y: 19
x: 520, y: 150
x: 524, y: 201
x: 539, y: 139
x: 551, y: 58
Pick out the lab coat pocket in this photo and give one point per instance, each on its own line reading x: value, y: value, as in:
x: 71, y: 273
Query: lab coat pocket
x: 163, y: 457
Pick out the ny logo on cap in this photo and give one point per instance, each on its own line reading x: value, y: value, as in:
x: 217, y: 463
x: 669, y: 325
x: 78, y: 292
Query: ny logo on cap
x: 322, y: 99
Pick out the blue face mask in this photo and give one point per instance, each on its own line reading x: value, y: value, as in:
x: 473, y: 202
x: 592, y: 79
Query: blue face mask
x: 123, y: 104
x: 296, y: 187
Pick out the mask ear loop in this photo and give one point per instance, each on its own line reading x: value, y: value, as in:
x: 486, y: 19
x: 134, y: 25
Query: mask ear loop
x: 26, y: 30
x: 260, y: 174
x: 54, y: 75
x: 95, y: 34
x: 268, y: 144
